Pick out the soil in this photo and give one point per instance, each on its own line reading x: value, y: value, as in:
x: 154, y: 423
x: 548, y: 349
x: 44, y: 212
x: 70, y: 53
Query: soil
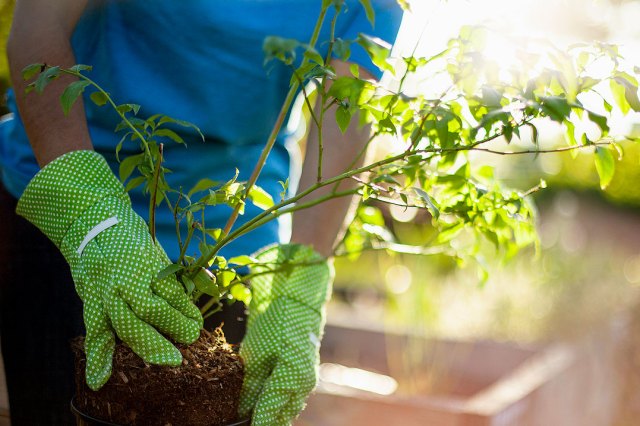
x: 204, y: 390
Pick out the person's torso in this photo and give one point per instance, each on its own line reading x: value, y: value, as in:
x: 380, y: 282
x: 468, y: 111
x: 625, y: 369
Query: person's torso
x: 200, y: 61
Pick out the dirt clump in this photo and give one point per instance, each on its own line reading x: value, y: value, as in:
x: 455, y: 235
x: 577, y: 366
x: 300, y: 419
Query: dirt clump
x: 204, y: 390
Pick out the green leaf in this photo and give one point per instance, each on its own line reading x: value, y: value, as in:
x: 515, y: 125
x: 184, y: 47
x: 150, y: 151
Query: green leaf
x: 283, y: 49
x: 168, y: 133
x: 99, y: 98
x: 203, y: 185
x: 377, y: 49
x: 313, y: 55
x: 80, y: 67
x: 205, y: 282
x: 182, y: 123
x: 404, y: 4
x: 169, y: 270
x: 31, y: 71
x: 218, y: 261
x: 507, y: 132
x: 342, y: 49
x: 214, y: 233
x: 355, y: 70
x: 285, y: 188
x: 535, y: 135
x: 45, y: 78
x: 260, y: 198
x: 491, y: 97
x: 619, y: 96
x: 433, y: 209
x: 371, y: 15
x: 189, y: 285
x: 347, y: 88
x: 241, y: 293
x: 601, y: 121
x: 119, y: 146
x: 343, y: 118
x: 605, y: 165
x: 315, y: 71
x: 449, y: 232
x: 71, y: 94
x: 371, y: 215
x: 570, y: 133
x: 243, y: 260
x: 225, y: 277
x: 556, y: 107
x: 414, y: 63
x: 366, y: 192
x: 125, y: 108
x: 134, y: 183
x: 128, y: 165
x: 630, y: 92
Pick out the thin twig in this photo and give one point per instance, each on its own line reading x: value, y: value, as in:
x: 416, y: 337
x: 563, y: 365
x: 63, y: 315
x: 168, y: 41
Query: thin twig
x: 154, y: 194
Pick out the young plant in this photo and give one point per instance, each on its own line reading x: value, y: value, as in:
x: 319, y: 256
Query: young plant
x: 434, y: 162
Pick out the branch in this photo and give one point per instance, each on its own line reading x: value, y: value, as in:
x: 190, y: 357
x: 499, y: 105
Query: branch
x: 401, y: 248
x: 286, y: 105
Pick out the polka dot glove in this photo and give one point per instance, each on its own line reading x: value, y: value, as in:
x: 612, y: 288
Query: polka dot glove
x: 83, y: 208
x: 286, y: 319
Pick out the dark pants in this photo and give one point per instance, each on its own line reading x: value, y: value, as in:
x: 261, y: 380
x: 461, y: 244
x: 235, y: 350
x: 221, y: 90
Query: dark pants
x: 39, y: 313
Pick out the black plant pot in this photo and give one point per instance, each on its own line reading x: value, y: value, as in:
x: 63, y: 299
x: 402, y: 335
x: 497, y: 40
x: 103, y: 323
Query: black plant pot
x: 83, y: 419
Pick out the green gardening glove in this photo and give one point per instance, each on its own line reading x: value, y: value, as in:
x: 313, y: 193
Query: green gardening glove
x: 286, y: 319
x: 82, y: 207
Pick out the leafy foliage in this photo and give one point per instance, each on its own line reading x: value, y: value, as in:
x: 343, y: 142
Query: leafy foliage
x: 435, y: 162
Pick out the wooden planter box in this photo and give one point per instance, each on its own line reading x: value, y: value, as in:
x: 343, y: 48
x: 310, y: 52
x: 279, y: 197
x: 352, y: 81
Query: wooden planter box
x: 470, y: 383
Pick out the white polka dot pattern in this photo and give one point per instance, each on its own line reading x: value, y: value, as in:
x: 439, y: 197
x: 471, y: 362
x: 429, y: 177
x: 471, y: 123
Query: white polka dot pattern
x: 286, y: 320
x: 115, y: 276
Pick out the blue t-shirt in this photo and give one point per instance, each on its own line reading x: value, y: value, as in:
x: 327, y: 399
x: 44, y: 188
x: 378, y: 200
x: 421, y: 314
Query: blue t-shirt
x: 199, y: 61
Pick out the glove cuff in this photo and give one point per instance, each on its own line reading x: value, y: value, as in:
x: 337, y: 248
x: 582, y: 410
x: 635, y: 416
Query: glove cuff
x: 60, y: 192
x: 300, y: 273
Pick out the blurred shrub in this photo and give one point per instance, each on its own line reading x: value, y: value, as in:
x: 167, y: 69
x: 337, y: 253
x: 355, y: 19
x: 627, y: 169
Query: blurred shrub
x: 585, y: 271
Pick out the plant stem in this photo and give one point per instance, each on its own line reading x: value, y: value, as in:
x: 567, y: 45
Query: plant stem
x: 177, y: 222
x: 115, y: 108
x: 154, y: 195
x: 263, y: 156
x: 274, y: 211
x: 401, y: 248
x: 135, y: 131
x: 218, y: 308
x: 358, y: 156
x: 286, y: 105
x: 187, y: 240
x: 323, y: 96
x: 303, y: 206
x: 209, y: 304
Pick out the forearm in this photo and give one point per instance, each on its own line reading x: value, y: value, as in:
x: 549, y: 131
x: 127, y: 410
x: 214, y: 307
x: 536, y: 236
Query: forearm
x: 322, y: 225
x: 50, y: 132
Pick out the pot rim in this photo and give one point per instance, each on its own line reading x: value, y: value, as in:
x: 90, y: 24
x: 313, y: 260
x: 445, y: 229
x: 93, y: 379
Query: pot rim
x: 85, y: 416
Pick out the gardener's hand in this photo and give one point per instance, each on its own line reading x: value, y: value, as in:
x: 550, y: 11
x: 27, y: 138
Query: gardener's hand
x: 286, y: 319
x: 81, y: 206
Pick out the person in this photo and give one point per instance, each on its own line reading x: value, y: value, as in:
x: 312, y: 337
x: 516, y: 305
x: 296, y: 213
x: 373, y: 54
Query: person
x: 199, y: 61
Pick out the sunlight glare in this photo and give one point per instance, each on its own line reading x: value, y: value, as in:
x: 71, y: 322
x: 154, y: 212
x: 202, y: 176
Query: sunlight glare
x: 358, y: 379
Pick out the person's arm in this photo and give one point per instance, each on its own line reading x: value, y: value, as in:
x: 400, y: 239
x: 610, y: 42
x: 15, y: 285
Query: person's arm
x: 41, y: 33
x: 322, y: 225
x: 82, y: 207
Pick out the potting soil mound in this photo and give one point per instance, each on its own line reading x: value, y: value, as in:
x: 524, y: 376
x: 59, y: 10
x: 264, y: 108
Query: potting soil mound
x: 204, y: 390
